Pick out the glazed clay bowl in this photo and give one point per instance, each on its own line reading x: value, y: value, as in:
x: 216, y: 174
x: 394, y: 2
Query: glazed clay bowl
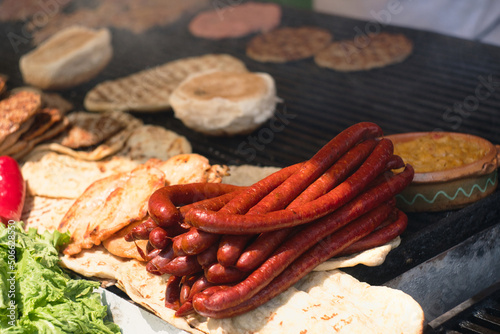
x: 452, y: 188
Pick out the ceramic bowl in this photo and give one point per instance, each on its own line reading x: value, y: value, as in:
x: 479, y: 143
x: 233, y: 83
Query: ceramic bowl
x: 452, y: 188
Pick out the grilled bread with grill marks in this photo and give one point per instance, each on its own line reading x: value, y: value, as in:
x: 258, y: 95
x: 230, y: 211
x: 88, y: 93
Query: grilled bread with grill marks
x: 149, y: 90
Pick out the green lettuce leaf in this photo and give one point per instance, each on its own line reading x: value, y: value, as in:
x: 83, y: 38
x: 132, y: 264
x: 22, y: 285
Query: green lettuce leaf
x: 37, y: 295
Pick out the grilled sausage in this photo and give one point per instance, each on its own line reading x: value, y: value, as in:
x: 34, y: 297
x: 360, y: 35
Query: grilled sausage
x: 293, y: 273
x: 216, y: 222
x: 162, y: 204
x: 372, y: 199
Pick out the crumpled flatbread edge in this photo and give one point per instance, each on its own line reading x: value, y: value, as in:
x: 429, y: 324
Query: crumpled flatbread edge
x: 371, y: 257
x: 97, y: 262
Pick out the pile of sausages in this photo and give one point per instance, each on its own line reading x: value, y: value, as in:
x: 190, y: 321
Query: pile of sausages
x: 230, y: 249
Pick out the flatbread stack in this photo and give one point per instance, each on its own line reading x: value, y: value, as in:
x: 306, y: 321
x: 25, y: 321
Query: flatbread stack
x: 27, y: 118
x: 288, y: 44
x: 326, y: 298
x: 92, y: 149
x: 56, y: 175
x: 149, y: 90
x: 361, y: 54
x: 99, y: 201
x: 93, y: 137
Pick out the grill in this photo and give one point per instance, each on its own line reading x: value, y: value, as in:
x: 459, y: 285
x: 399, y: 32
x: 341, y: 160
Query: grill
x: 480, y: 314
x: 447, y: 83
x: 417, y: 95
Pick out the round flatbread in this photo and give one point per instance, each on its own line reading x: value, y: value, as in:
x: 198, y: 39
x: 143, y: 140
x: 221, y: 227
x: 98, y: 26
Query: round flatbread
x: 327, y: 302
x: 288, y: 44
x: 70, y: 57
x: 374, y: 51
x: 222, y: 103
x: 152, y: 141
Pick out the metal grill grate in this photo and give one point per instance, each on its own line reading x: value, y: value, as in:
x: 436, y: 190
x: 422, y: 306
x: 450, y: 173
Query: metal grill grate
x: 411, y: 96
x: 479, y: 315
x: 415, y: 95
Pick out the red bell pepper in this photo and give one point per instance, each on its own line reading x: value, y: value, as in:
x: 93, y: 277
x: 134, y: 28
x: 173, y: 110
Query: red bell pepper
x: 12, y: 190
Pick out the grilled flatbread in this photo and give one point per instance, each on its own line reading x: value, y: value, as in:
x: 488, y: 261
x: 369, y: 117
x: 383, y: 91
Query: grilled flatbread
x: 48, y: 121
x: 28, y: 145
x: 42, y: 170
x: 43, y: 213
x: 16, y: 110
x: 377, y: 50
x: 371, y: 257
x: 151, y: 141
x: 319, y: 303
x: 49, y: 99
x: 110, y: 142
x: 326, y: 302
x: 288, y: 44
x: 45, y: 124
x: 150, y: 90
x: 11, y: 139
x: 42, y: 122
x: 95, y: 262
x: 89, y: 129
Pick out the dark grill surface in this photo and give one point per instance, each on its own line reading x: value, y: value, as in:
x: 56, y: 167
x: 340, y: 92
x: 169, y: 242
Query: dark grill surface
x: 435, y: 88
x: 447, y: 83
x: 482, y: 317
